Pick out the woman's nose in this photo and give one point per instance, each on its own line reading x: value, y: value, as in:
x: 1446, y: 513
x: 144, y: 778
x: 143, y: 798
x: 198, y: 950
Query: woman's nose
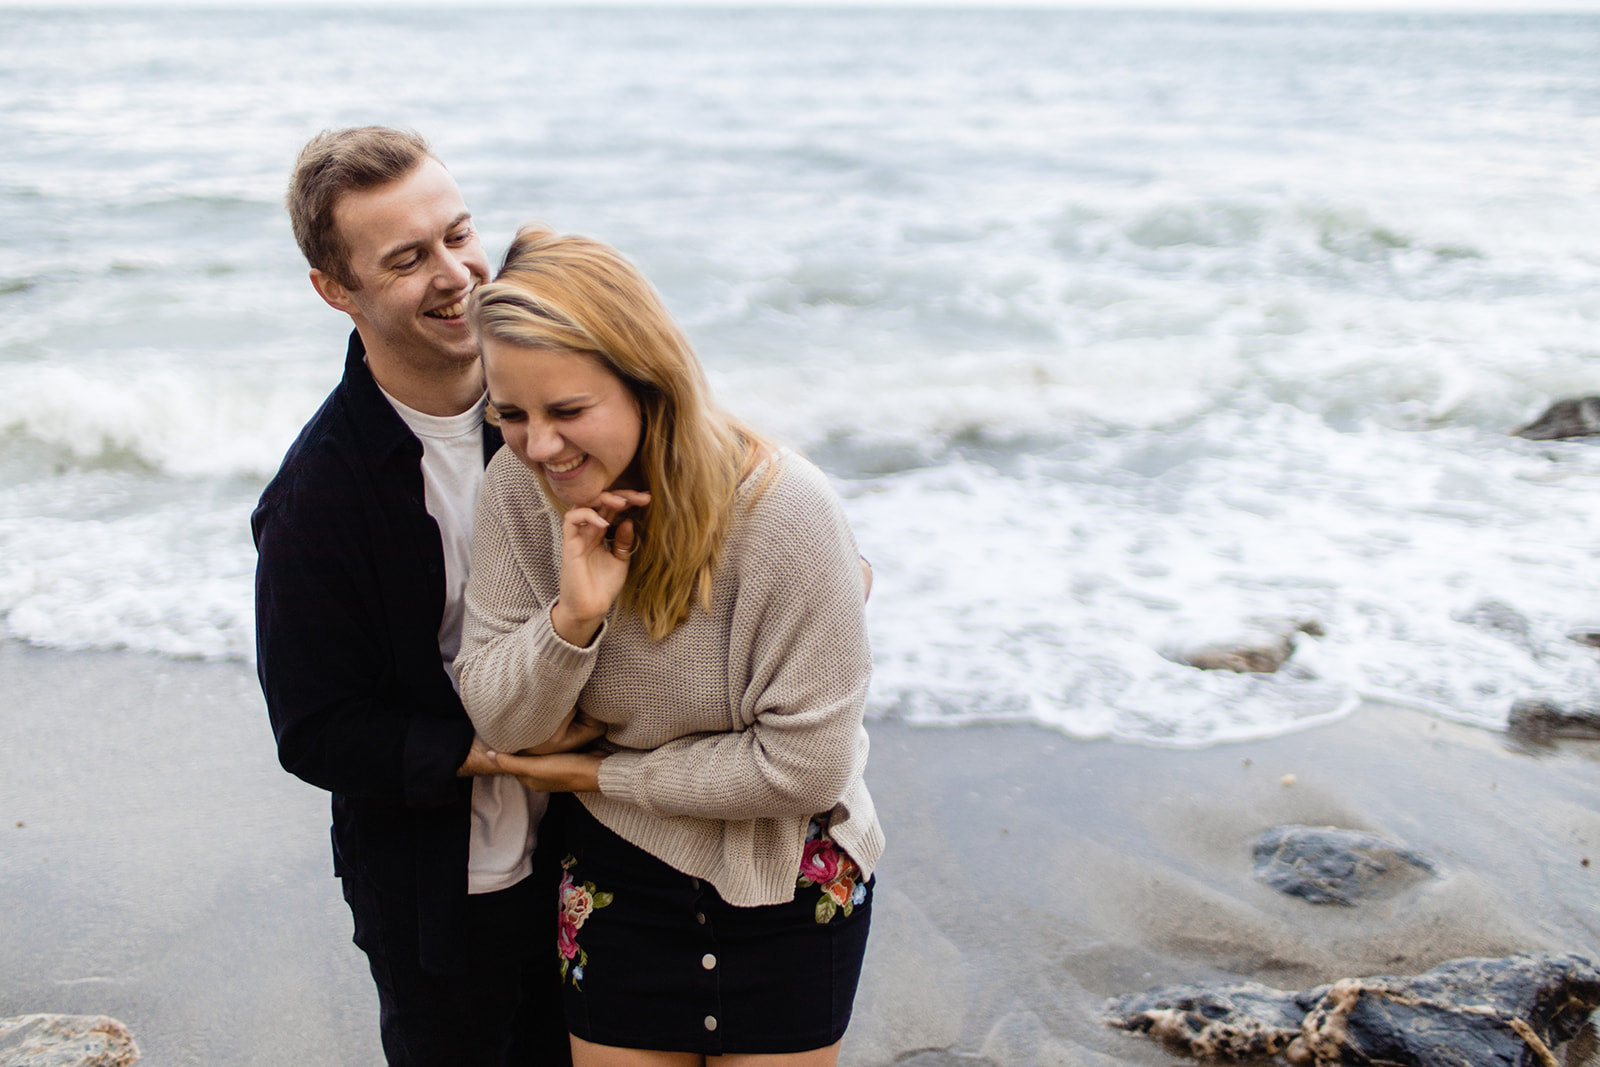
x: 541, y: 441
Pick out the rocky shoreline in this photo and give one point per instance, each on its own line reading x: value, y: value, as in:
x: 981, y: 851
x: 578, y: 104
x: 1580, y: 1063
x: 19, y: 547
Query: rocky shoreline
x: 159, y: 868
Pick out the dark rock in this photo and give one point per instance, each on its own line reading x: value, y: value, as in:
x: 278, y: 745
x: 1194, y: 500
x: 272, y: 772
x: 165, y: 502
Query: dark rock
x: 1234, y: 1022
x: 1496, y: 1013
x: 1576, y: 417
x: 1327, y: 865
x: 1262, y: 657
x: 1540, y: 720
x: 1260, y: 653
x: 1508, y: 1012
x: 65, y: 1041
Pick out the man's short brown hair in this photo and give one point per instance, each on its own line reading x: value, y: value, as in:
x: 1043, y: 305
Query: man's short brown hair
x: 333, y: 163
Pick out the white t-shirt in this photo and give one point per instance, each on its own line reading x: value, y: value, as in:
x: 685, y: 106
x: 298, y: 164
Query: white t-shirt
x: 505, y: 814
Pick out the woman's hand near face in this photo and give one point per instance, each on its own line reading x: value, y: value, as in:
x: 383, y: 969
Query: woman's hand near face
x: 593, y: 569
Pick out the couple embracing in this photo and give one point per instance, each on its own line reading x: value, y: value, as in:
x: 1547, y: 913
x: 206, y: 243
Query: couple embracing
x: 589, y: 704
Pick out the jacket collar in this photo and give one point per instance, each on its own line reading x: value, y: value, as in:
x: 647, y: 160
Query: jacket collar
x: 381, y: 426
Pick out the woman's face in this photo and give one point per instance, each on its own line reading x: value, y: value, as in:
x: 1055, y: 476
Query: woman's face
x: 565, y: 416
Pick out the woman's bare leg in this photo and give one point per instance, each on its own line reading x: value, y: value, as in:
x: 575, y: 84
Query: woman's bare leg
x: 589, y: 1054
x: 817, y: 1057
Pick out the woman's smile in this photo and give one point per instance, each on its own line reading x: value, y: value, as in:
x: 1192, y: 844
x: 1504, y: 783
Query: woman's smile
x: 564, y: 468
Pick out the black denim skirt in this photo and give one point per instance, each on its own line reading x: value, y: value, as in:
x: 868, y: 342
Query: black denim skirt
x: 651, y: 958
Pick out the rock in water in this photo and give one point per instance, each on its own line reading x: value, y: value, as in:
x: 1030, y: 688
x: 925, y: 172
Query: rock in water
x: 1262, y: 655
x: 1262, y: 650
x: 65, y: 1041
x: 1327, y: 865
x: 1508, y: 1012
x: 1577, y: 417
x: 1540, y: 720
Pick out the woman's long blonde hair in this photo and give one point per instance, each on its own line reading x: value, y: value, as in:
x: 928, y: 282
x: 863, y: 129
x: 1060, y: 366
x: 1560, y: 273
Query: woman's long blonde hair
x: 575, y: 294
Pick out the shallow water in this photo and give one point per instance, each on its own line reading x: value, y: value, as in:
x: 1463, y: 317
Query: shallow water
x: 1118, y: 332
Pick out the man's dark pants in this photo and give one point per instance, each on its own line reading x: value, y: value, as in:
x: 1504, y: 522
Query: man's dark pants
x: 505, y: 1011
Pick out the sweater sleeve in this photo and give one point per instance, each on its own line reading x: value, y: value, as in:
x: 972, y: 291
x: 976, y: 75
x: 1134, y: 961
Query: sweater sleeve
x: 799, y: 628
x: 518, y: 677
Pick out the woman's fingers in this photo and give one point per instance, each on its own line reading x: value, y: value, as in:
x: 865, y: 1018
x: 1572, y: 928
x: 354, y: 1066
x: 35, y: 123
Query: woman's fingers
x: 613, y: 502
x: 623, y: 544
x: 590, y: 527
x: 580, y: 517
x: 566, y: 772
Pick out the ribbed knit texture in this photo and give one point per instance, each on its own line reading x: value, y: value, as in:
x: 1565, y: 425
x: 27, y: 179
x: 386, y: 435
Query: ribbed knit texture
x: 731, y: 732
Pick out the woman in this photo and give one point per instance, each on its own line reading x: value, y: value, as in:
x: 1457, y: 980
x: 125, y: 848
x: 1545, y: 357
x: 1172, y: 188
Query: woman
x: 643, y: 558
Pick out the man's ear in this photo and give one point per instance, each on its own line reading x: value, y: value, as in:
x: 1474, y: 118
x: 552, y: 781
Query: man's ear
x: 333, y: 291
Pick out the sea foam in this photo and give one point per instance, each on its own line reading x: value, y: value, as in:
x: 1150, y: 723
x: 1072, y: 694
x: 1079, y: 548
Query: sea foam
x: 1119, y: 334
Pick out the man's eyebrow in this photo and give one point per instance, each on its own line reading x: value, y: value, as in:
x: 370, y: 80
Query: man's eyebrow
x: 408, y: 246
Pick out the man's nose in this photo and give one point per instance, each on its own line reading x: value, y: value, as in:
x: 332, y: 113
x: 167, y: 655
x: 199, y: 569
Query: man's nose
x: 455, y: 272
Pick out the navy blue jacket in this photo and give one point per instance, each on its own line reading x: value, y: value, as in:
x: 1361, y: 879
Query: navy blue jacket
x: 349, y: 595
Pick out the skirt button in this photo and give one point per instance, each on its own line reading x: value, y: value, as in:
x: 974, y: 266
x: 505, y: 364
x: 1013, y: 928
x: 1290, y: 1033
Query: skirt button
x: 708, y: 961
x: 711, y: 1022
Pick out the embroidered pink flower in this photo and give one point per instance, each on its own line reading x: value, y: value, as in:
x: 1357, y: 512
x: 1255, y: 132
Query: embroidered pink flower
x: 819, y: 863
x: 566, y: 937
x: 824, y: 864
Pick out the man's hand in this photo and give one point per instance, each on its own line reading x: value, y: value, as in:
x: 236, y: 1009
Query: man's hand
x: 477, y: 761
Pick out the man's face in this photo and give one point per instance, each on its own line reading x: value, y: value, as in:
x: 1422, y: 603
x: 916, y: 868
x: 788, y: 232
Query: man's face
x: 415, y: 252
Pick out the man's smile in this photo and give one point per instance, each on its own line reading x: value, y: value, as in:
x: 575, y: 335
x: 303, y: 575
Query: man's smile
x: 449, y: 311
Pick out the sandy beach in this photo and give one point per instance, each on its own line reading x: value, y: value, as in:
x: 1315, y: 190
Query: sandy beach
x: 159, y: 867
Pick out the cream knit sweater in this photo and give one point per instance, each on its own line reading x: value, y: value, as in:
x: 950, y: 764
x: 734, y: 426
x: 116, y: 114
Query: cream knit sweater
x: 732, y: 732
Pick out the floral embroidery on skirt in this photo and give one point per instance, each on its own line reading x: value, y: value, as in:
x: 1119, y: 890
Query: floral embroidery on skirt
x: 575, y: 904
x: 825, y: 864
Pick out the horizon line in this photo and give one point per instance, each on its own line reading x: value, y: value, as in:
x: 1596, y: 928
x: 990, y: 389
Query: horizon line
x: 1174, y: 7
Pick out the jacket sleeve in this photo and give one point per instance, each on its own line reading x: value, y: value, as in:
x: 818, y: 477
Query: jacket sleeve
x: 799, y: 625
x: 518, y: 677
x: 325, y: 656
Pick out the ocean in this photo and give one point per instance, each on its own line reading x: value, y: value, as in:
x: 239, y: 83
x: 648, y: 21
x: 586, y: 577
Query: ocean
x: 1119, y: 333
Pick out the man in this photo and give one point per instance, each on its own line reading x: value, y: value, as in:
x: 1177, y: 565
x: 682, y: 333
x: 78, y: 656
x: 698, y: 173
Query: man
x: 363, y: 539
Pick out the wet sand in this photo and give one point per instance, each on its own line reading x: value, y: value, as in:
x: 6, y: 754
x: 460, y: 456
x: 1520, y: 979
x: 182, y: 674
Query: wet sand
x: 165, y: 870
